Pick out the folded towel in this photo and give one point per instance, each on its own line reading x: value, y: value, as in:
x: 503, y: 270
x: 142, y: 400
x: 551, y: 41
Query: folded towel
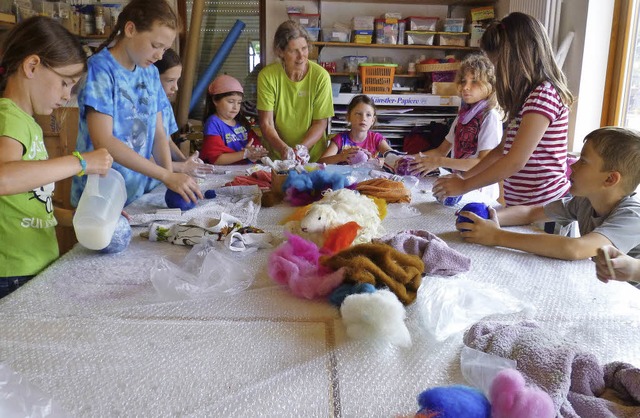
x: 572, y: 377
x: 437, y: 256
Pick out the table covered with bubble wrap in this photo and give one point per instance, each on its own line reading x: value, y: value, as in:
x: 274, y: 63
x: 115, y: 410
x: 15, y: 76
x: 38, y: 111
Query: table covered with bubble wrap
x: 93, y: 335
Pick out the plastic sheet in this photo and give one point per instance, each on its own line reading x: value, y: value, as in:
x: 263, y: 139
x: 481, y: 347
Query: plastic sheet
x: 19, y: 398
x: 451, y: 305
x: 479, y: 368
x: 205, y: 271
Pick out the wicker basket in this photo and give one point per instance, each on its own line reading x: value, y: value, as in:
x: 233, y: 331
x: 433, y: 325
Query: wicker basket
x: 377, y: 78
x: 429, y: 68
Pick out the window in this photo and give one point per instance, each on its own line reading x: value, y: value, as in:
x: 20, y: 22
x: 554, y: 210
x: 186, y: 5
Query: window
x: 218, y: 19
x: 622, y: 96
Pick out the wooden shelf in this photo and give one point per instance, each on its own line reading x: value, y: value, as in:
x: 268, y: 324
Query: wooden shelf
x: 391, y: 46
x: 347, y: 74
x: 429, y: 2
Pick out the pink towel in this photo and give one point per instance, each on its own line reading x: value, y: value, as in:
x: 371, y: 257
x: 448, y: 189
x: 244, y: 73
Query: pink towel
x: 573, y: 378
x: 437, y: 256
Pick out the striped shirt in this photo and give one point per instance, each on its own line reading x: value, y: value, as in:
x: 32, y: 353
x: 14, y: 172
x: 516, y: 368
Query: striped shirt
x: 542, y: 179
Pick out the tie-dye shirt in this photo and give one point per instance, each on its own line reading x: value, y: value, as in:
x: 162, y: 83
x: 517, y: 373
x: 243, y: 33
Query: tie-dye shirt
x: 133, y: 99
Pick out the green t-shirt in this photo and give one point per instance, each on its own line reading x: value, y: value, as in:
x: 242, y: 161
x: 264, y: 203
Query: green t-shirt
x: 27, y: 224
x: 296, y: 104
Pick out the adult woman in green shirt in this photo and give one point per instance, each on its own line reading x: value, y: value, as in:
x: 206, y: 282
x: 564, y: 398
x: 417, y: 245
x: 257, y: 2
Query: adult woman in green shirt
x: 294, y: 98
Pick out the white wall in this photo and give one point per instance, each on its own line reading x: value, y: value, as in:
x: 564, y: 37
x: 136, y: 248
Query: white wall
x: 586, y: 64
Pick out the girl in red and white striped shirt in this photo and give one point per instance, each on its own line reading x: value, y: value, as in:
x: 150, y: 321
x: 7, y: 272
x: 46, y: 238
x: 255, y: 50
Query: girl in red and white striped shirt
x: 532, y: 91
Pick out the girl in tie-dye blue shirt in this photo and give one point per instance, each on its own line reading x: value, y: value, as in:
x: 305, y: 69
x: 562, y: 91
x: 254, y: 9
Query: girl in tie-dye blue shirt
x: 133, y: 99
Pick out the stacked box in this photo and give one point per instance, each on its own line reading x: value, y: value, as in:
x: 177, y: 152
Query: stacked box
x: 454, y: 25
x: 306, y: 20
x: 452, y: 38
x: 362, y: 23
x: 422, y: 23
x: 386, y: 31
x: 362, y: 36
x: 420, y: 37
x: 483, y: 13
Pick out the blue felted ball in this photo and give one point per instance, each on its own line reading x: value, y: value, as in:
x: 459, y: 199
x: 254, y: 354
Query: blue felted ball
x: 479, y: 209
x: 457, y: 401
x: 210, y: 194
x: 175, y: 201
x: 121, y: 237
x: 341, y: 292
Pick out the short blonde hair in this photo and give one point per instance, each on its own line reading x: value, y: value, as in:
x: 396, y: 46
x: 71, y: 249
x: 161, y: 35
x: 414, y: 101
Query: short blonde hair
x: 619, y: 149
x: 484, y: 72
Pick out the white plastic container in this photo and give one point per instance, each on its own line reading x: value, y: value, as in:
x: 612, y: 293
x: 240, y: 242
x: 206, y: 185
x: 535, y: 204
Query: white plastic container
x: 99, y: 209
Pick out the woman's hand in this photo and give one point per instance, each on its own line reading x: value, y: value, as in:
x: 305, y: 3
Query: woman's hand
x: 422, y: 165
x: 184, y: 185
x: 447, y: 186
x: 98, y: 161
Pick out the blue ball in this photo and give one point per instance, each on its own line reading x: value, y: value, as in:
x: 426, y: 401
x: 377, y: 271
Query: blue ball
x: 479, y: 209
x: 457, y: 401
x: 175, y: 201
x: 121, y: 237
x: 451, y: 200
x: 210, y: 194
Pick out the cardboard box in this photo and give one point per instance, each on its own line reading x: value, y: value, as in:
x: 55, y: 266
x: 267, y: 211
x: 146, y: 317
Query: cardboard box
x: 483, y: 13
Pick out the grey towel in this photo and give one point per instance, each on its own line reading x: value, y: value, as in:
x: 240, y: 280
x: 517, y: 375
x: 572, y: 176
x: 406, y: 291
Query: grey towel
x: 577, y: 384
x: 437, y: 256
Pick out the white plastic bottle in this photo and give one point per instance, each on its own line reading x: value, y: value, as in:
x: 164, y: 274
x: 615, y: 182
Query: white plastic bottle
x: 99, y: 209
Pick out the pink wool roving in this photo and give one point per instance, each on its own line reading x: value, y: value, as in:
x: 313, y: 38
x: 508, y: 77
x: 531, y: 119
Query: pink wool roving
x: 510, y: 398
x: 295, y: 264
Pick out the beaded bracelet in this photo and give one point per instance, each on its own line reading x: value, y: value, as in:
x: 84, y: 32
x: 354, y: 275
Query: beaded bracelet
x: 83, y: 163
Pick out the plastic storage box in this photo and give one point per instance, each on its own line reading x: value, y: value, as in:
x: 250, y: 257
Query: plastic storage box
x: 351, y: 62
x: 420, y: 38
x: 362, y: 23
x: 314, y: 33
x: 386, y: 31
x: 335, y: 35
x: 454, y: 25
x: 306, y: 20
x: 422, y: 23
x: 452, y: 38
x: 377, y: 78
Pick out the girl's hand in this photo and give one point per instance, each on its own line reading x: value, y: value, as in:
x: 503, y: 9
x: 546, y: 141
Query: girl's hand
x: 184, y: 185
x: 195, y: 167
x: 480, y: 231
x: 252, y: 153
x: 452, y: 185
x: 422, y: 165
x: 98, y: 161
x: 348, y: 153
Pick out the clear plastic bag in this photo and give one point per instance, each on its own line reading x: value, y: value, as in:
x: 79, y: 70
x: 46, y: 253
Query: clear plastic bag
x: 206, y: 270
x: 480, y: 368
x: 19, y: 398
x: 451, y: 305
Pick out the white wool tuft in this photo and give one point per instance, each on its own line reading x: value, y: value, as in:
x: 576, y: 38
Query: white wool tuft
x: 378, y: 315
x: 340, y: 207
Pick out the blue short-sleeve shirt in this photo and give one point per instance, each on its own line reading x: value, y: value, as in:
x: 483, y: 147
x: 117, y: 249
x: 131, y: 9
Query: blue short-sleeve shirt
x: 133, y: 99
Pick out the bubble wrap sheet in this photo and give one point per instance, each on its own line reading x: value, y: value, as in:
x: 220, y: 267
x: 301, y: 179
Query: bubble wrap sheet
x: 92, y: 333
